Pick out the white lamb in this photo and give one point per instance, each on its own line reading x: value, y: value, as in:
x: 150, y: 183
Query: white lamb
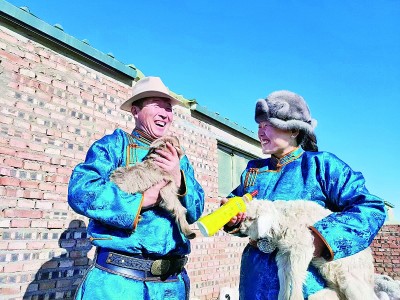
x: 285, y: 225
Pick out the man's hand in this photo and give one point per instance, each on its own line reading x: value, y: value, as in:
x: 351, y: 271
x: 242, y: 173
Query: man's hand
x: 236, y: 220
x: 169, y: 162
x: 151, y: 197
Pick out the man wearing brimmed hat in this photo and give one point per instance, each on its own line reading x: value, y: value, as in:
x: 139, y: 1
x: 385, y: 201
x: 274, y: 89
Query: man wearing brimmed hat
x: 296, y: 170
x: 141, y: 251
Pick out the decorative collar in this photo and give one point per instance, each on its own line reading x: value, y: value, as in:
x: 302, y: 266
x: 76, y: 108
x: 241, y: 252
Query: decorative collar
x: 142, y: 136
x: 276, y: 163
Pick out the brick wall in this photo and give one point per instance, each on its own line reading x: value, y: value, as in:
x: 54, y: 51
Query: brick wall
x: 386, y: 247
x: 52, y: 109
x: 53, y: 106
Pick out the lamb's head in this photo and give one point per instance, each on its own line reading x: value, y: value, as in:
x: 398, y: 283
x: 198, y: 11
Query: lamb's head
x: 161, y: 144
x: 262, y: 220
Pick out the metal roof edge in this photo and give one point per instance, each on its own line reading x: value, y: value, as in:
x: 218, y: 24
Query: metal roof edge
x: 216, y: 117
x: 58, y: 34
x: 389, y: 204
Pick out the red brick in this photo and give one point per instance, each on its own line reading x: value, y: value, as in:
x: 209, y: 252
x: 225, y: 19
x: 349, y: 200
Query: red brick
x: 5, y: 171
x: 29, y: 165
x: 54, y: 196
x: 5, y: 223
x: 29, y: 184
x: 53, y: 224
x: 32, y: 194
x: 9, y: 181
x: 60, y: 205
x: 12, y: 162
x: 20, y: 223
x: 32, y: 156
x: 17, y: 143
x: 44, y: 186
x: 27, y: 72
x: 32, y: 266
x: 10, y: 290
x: 22, y: 213
x: 43, y: 78
x: 49, y: 168
x: 36, y: 147
x: 16, y: 245
x: 10, y: 57
x: 43, y: 96
x: 62, y: 162
x: 44, y: 205
x: 6, y: 120
x: 32, y: 56
x: 39, y: 224
x: 74, y: 90
x: 62, y: 189
x: 23, y: 106
x: 48, y: 63
x: 51, y: 245
x: 57, y: 178
x: 59, y: 84
x: 24, y: 203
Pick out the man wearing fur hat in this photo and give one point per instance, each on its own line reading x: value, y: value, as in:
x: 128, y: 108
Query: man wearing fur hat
x: 140, y: 250
x: 296, y: 170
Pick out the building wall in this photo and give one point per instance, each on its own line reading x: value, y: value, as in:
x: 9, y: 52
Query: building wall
x: 386, y: 247
x: 53, y: 106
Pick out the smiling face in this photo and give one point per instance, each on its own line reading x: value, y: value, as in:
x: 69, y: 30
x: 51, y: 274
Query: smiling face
x: 276, y: 141
x: 154, y: 117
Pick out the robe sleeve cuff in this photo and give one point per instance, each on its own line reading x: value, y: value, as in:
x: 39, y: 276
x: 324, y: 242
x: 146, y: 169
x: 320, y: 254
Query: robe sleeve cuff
x: 327, y: 254
x: 138, y: 216
x: 182, y: 189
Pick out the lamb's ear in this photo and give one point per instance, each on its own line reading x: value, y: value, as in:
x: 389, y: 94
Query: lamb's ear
x: 268, y: 221
x: 264, y: 226
x: 179, y: 151
x: 177, y: 145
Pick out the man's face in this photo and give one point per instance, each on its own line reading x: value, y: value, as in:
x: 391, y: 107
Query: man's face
x: 155, y: 117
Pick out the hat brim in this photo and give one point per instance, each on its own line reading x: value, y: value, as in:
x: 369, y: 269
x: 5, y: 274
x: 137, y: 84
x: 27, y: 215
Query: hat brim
x: 127, y: 105
x: 293, y: 124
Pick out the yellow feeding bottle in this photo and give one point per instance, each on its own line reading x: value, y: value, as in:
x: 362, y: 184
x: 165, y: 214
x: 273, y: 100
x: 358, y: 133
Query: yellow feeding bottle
x: 214, y: 221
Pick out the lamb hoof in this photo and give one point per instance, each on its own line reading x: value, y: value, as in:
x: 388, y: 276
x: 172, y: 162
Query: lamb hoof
x: 191, y: 236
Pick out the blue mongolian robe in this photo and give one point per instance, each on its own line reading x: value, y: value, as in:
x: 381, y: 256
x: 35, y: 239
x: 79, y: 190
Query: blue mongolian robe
x: 320, y: 177
x: 117, y: 222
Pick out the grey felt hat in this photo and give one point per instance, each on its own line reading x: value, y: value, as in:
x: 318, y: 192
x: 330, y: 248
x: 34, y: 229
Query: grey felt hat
x: 149, y: 87
x: 285, y: 110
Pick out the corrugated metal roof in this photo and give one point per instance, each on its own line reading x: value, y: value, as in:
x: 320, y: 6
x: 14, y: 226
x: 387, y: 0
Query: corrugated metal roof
x: 25, y: 18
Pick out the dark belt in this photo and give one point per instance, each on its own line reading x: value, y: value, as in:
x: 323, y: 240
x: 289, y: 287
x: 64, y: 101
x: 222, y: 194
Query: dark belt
x: 138, y: 267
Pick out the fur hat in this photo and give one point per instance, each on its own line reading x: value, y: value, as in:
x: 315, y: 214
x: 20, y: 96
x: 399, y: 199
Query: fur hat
x: 285, y: 110
x: 149, y: 87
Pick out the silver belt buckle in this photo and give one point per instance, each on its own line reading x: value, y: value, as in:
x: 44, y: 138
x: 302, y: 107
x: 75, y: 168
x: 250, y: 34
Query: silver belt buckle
x: 160, y: 267
x: 266, y: 245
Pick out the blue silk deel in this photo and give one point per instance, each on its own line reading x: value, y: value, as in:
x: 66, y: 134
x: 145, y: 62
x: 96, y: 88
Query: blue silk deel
x: 118, y: 223
x: 315, y: 176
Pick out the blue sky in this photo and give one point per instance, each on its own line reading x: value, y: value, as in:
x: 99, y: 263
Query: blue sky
x: 343, y: 57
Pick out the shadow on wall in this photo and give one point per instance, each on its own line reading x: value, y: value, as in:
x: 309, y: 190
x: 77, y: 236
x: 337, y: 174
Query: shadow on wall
x: 59, y: 277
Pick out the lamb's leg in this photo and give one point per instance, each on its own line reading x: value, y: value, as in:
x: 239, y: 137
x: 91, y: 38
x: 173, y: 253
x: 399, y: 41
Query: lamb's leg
x: 283, y: 261
x: 293, y: 261
x: 353, y: 285
x: 172, y: 204
x: 353, y: 276
x: 325, y: 294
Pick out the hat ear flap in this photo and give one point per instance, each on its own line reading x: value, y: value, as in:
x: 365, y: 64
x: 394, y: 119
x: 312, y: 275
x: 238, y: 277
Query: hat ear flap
x: 262, y: 111
x: 279, y: 109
